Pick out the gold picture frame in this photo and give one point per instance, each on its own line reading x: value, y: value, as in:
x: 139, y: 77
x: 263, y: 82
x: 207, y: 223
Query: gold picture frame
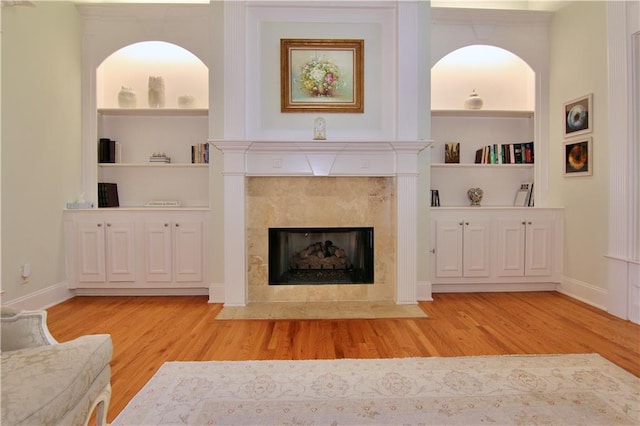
x: 322, y: 75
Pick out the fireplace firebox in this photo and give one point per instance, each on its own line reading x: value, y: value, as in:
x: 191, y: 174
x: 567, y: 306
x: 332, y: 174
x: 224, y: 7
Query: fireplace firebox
x: 321, y: 255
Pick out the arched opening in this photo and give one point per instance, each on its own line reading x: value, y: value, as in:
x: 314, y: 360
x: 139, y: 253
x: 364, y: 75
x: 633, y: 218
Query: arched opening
x: 185, y: 76
x: 501, y: 78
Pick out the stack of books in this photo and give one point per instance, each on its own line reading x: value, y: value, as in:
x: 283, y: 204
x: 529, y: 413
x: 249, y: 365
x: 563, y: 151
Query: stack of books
x: 200, y: 153
x: 512, y: 153
x: 159, y: 157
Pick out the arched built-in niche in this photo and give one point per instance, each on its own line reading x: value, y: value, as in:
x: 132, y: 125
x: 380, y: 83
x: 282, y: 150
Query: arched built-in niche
x: 501, y: 78
x: 506, y: 84
x: 183, y: 72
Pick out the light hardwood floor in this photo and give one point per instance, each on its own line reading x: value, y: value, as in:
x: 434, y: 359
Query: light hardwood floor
x: 147, y: 331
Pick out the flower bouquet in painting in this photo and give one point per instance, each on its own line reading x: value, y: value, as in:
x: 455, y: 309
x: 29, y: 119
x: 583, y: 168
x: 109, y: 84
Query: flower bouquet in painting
x: 320, y: 77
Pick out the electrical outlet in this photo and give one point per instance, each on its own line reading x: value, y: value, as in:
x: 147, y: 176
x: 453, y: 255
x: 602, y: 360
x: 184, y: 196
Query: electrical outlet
x: 25, y: 273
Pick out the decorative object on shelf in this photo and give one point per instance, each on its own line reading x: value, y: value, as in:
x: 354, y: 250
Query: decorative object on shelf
x: 322, y: 75
x: 475, y: 195
x: 159, y: 157
x: 577, y: 116
x: 452, y: 152
x: 473, y: 101
x: 435, y: 198
x: 186, y: 101
x: 156, y: 92
x: 127, y: 98
x: 162, y: 203
x: 578, y: 157
x: 524, y: 196
x: 319, y: 129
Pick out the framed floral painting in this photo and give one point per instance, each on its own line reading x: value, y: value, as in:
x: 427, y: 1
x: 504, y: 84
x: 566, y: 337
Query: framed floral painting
x: 322, y: 75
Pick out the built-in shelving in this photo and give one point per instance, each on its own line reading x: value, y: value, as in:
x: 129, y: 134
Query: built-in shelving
x: 167, y: 165
x: 158, y: 112
x: 483, y: 166
x: 481, y: 113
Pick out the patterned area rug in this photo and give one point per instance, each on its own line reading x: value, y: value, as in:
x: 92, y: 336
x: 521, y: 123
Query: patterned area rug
x: 555, y: 389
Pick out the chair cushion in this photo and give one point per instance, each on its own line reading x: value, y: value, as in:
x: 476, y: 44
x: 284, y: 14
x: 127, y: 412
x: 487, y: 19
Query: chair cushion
x: 41, y: 384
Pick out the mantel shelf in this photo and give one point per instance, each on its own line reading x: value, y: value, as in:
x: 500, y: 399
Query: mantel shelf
x: 158, y: 112
x: 481, y: 113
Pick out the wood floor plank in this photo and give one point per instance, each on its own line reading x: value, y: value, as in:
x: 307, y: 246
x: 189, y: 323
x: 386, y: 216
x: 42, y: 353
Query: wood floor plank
x: 148, y: 331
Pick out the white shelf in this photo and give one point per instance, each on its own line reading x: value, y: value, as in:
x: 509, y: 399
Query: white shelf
x: 481, y: 113
x: 175, y: 165
x: 158, y: 112
x: 481, y: 165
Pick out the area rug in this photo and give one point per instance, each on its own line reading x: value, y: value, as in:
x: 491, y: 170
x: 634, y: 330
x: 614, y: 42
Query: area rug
x: 321, y: 310
x: 554, y: 389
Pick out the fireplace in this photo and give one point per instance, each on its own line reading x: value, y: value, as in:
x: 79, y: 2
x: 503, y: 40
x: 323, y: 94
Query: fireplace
x: 341, y: 255
x: 328, y: 184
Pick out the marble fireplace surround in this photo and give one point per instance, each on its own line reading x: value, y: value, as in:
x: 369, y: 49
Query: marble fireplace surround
x: 244, y: 159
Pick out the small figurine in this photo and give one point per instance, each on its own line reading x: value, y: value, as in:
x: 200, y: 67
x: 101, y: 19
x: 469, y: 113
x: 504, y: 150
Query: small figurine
x: 319, y: 129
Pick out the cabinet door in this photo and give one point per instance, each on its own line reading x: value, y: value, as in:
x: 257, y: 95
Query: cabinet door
x: 511, y: 244
x: 120, y: 258
x: 475, y: 259
x: 158, y: 251
x: 448, y: 248
x: 90, y: 252
x: 188, y: 251
x: 538, y: 247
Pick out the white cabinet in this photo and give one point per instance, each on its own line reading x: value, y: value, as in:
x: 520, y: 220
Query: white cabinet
x: 462, y: 248
x: 495, y: 249
x: 137, y: 251
x: 173, y: 251
x: 105, y: 251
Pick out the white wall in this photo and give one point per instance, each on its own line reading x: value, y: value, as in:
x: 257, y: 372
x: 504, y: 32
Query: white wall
x: 40, y: 145
x: 578, y: 67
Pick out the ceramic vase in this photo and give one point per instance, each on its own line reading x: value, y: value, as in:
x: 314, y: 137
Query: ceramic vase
x: 156, y: 92
x: 127, y: 98
x: 473, y: 101
x: 475, y: 195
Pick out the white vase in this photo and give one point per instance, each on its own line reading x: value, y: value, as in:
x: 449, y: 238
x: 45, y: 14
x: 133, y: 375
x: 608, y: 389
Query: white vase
x: 473, y: 101
x: 127, y: 98
x: 156, y: 92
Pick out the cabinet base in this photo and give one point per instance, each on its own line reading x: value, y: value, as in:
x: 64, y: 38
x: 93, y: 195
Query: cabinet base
x: 493, y: 287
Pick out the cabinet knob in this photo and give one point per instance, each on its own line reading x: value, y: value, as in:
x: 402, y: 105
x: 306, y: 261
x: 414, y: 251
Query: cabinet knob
x: 432, y: 251
x: 528, y: 223
x: 177, y: 225
x: 466, y: 223
x: 166, y: 224
x: 461, y: 223
x: 108, y: 224
x: 99, y: 225
x: 524, y: 223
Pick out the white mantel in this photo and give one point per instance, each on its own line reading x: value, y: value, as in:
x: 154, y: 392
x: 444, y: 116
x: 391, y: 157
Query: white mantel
x: 244, y: 158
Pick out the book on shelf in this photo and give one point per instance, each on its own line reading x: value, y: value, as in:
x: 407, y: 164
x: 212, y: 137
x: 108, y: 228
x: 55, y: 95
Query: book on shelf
x: 107, y: 150
x: 524, y: 196
x: 510, y: 153
x: 435, y: 198
x: 108, y: 194
x: 159, y: 158
x: 200, y: 153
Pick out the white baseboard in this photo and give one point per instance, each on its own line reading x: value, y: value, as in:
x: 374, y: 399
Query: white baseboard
x: 42, y: 299
x: 192, y: 291
x: 493, y: 287
x: 584, y: 292
x: 216, y: 293
x: 424, y: 291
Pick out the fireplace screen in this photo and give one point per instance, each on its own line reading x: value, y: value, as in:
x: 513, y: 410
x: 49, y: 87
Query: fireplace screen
x: 320, y: 255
